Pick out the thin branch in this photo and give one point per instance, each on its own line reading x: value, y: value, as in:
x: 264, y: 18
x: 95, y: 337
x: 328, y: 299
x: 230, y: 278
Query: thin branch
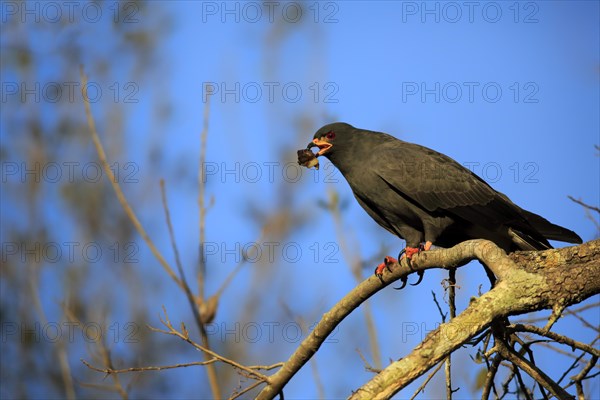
x: 556, y: 337
x: 184, y: 335
x: 165, y: 204
x: 442, y: 314
x: 201, y: 205
x: 520, y: 383
x: 508, y: 379
x: 576, y: 380
x: 555, y: 316
x: 559, y: 350
x: 355, y: 266
x: 241, y: 392
x: 581, y: 203
x: 61, y: 348
x: 568, y: 312
x: 588, y: 212
x: 117, y: 188
x: 266, y: 367
x: 539, y: 376
x: 584, y: 322
x: 426, y: 381
x: 109, y: 371
x: 490, y: 377
x: 237, y: 394
x: 243, y: 261
x: 526, y: 348
x: 208, y: 306
x: 368, y: 365
x: 574, y: 365
x: 452, y: 305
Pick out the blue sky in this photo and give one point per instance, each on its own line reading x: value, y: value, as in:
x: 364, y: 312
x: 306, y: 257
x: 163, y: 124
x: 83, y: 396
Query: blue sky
x: 510, y: 89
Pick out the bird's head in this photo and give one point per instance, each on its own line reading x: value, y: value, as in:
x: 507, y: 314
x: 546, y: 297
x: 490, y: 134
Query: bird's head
x: 331, y: 136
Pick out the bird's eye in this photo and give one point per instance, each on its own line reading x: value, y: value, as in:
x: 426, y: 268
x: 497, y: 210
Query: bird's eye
x: 330, y: 135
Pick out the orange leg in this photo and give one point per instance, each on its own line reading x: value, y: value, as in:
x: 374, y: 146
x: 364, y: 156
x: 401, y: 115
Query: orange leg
x: 407, y: 252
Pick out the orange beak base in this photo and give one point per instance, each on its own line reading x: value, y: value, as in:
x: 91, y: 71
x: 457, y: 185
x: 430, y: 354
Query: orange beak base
x: 322, y: 145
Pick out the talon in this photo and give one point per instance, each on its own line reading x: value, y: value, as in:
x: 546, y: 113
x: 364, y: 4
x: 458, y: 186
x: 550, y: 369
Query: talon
x: 411, y: 251
x: 401, y: 254
x: 408, y: 252
x: 387, y: 261
x: 421, y: 274
x: 404, y: 280
x: 409, y: 263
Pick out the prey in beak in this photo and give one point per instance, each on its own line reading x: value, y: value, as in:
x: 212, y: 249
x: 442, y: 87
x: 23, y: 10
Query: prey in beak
x: 309, y: 159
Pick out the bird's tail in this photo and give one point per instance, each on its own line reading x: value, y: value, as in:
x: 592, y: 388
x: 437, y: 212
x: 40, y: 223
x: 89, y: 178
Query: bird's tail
x: 551, y: 231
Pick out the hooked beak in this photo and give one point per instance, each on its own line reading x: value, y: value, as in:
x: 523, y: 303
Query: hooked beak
x: 321, y: 144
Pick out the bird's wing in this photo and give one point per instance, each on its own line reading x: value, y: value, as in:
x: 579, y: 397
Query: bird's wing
x: 430, y: 179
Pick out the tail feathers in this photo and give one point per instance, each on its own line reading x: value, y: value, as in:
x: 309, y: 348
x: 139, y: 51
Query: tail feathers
x: 551, y: 231
x: 524, y: 241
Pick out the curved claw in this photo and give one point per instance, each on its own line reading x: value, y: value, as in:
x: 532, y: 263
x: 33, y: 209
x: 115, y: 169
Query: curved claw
x: 387, y: 261
x: 401, y: 253
x: 421, y: 274
x: 404, y: 280
x: 409, y: 263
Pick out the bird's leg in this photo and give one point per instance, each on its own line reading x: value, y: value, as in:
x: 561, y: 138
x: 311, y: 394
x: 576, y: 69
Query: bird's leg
x: 387, y: 261
x: 409, y: 252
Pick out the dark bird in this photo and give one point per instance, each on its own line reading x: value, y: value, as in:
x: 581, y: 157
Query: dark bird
x: 427, y: 198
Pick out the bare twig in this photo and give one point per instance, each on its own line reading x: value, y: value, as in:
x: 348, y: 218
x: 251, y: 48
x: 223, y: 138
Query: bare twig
x: 581, y: 203
x: 584, y: 321
x: 117, y: 188
x: 210, y: 306
x: 241, y: 392
x: 61, y: 349
x: 556, y: 337
x: 555, y: 316
x: 442, y: 314
x: 426, y: 381
x: 526, y: 348
x: 588, y: 212
x: 353, y: 262
x: 571, y: 311
x: 520, y: 383
x: 201, y: 204
x: 490, y: 377
x: 109, y: 371
x: 577, y: 379
x: 184, y: 335
x: 539, y: 376
x: 368, y: 365
x: 452, y: 305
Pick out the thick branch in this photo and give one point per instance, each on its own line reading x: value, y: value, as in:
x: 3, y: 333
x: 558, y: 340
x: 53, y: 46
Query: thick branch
x: 527, y: 282
x: 446, y: 258
x: 542, y: 280
x: 463, y: 328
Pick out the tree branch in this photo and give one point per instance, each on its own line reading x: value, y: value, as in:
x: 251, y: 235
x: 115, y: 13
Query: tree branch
x: 512, y: 295
x: 537, y: 280
x: 528, y: 281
